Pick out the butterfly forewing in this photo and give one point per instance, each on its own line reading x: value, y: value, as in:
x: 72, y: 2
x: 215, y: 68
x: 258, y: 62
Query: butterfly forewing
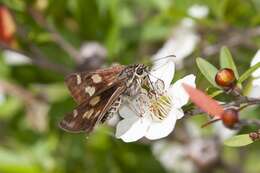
x: 99, y: 94
x: 85, y: 85
x: 88, y: 114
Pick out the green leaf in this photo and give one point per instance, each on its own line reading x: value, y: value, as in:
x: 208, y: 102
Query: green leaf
x: 216, y: 93
x: 208, y: 70
x: 248, y: 73
x: 226, y: 60
x: 238, y: 141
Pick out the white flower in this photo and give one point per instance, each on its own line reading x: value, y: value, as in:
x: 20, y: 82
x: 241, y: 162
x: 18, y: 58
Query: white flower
x: 14, y: 58
x: 198, y: 11
x: 92, y: 49
x: 255, y: 91
x: 173, y: 156
x: 155, y: 118
x: 254, y: 61
x: 181, y: 43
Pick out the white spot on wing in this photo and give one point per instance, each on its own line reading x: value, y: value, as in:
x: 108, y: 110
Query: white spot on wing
x: 110, y: 83
x: 75, y: 113
x: 90, y: 90
x: 94, y: 100
x: 78, y: 79
x: 96, y: 78
x: 88, y: 113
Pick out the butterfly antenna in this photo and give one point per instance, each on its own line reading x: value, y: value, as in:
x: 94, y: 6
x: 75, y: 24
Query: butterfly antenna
x: 209, y: 122
x: 151, y: 84
x: 168, y: 56
x: 158, y: 59
x: 153, y: 76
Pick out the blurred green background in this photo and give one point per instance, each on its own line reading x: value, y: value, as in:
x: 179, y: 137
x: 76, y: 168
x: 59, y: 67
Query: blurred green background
x: 51, y: 34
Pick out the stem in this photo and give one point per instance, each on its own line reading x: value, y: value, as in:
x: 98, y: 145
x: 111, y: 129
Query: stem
x: 242, y: 100
x: 57, y: 37
x: 18, y: 91
x: 249, y: 122
x: 38, y: 59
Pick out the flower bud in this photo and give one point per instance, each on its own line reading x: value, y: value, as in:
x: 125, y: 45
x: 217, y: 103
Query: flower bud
x: 7, y: 25
x: 230, y: 117
x: 225, y: 77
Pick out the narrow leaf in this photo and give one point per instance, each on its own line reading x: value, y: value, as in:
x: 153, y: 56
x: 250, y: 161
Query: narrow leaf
x: 226, y: 61
x: 208, y: 70
x: 248, y: 73
x: 238, y: 141
x: 203, y: 101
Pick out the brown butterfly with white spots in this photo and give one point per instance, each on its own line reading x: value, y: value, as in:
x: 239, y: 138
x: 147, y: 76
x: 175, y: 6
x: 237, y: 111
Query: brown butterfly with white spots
x: 100, y: 93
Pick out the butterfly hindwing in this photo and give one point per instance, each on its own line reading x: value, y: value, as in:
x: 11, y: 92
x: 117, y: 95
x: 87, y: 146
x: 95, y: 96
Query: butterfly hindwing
x: 88, y: 114
x: 84, y: 85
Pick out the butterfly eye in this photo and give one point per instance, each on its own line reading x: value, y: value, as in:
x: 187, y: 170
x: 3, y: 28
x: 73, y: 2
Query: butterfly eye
x: 139, y: 71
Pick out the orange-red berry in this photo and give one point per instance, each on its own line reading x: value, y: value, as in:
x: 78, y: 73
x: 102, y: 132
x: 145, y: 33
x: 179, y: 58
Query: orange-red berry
x: 230, y: 117
x: 225, y: 77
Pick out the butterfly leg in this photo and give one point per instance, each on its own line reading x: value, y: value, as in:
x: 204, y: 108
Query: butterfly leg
x: 114, y: 108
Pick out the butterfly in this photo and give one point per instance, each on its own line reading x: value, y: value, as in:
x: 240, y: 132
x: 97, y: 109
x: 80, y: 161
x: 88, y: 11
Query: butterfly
x: 99, y: 94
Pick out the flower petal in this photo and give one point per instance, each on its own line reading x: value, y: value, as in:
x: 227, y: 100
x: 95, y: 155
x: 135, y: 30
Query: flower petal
x: 254, y: 92
x: 164, y: 72
x: 178, y: 94
x: 132, y: 129
x: 124, y: 125
x: 127, y: 112
x: 181, y: 43
x: 198, y: 11
x: 179, y: 114
x: 256, y: 82
x: 255, y: 60
x: 162, y: 129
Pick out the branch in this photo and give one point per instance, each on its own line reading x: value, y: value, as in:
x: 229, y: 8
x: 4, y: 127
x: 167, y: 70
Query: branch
x: 36, y: 108
x: 57, y: 37
x: 244, y: 100
x: 233, y: 39
x: 249, y: 122
x: 18, y: 91
x: 38, y: 59
x: 36, y: 55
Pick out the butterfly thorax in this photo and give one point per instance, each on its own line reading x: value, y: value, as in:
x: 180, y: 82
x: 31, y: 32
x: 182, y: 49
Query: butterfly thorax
x: 136, y: 75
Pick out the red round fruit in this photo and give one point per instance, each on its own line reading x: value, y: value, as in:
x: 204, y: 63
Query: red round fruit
x: 225, y: 77
x: 230, y: 117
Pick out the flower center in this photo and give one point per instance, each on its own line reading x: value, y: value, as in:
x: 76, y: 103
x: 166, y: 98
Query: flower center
x: 160, y: 107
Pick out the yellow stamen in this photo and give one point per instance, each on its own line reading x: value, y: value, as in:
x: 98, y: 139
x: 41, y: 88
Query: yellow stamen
x: 160, y: 107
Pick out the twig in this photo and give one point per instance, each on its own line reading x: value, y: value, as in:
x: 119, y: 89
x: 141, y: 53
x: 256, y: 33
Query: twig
x: 249, y: 122
x: 36, y: 55
x: 18, y: 91
x: 233, y: 39
x: 66, y: 46
x: 38, y: 59
x: 237, y: 103
x: 36, y: 108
